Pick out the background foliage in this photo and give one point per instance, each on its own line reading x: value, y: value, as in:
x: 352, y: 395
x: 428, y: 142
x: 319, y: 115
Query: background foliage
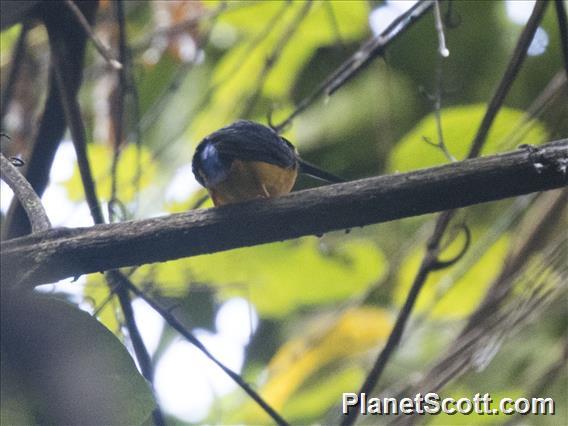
x: 325, y: 304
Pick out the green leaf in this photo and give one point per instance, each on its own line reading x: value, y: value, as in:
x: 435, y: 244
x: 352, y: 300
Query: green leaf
x: 71, y: 368
x: 462, y: 296
x: 459, y: 127
x: 100, y: 157
x: 97, y: 292
x: 238, y: 72
x: 279, y: 277
x: 8, y: 41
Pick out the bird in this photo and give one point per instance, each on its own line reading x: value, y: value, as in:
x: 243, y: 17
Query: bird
x: 247, y: 160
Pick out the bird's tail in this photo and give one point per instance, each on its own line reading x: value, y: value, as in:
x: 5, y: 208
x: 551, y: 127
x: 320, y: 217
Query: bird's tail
x: 311, y: 170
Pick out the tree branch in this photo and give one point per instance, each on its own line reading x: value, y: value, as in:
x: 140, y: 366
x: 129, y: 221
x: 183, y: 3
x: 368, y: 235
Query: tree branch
x: 72, y: 113
x: 517, y: 59
x: 372, y: 48
x: 60, y: 253
x: 563, y: 30
x: 84, y: 23
x: 190, y: 337
x: 25, y: 195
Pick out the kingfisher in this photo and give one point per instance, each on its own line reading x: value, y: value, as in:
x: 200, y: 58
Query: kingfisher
x: 246, y: 161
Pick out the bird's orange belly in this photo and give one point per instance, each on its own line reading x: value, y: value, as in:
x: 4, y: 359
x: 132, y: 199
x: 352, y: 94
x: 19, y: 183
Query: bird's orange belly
x: 249, y: 180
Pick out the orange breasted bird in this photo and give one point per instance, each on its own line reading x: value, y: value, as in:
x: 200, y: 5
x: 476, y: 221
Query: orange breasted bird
x: 246, y: 161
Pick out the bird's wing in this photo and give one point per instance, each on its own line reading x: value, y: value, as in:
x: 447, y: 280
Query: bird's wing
x: 314, y: 171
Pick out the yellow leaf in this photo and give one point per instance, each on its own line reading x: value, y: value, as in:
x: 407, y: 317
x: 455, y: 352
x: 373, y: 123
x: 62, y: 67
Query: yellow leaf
x: 356, y: 331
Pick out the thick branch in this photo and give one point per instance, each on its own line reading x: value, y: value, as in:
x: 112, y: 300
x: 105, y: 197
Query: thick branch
x: 59, y: 23
x: 61, y: 253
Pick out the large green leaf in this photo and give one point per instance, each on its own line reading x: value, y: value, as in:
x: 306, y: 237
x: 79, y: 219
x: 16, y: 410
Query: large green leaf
x: 70, y: 368
x: 459, y: 126
x: 278, y: 277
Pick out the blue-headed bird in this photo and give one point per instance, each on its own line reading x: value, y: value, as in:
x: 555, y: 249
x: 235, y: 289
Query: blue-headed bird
x: 246, y: 161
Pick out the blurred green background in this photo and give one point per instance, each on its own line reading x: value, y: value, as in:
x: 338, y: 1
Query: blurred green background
x: 325, y: 305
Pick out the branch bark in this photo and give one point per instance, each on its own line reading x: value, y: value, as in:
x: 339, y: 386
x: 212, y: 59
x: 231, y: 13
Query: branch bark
x: 61, y: 253
x: 25, y: 194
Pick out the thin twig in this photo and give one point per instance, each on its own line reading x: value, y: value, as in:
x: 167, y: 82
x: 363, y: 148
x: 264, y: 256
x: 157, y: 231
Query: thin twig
x: 16, y: 62
x: 553, y: 94
x: 376, y: 46
x: 120, y: 98
x: 437, y: 98
x: 97, y: 309
x: 548, y: 207
x: 190, y: 337
x: 101, y: 48
x: 116, y: 280
x: 369, y: 50
x: 248, y: 52
x: 563, y: 30
x: 444, y: 53
x: 132, y: 89
x: 442, y: 48
x: 509, y: 76
x: 72, y: 112
x: 430, y: 258
x: 24, y: 192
